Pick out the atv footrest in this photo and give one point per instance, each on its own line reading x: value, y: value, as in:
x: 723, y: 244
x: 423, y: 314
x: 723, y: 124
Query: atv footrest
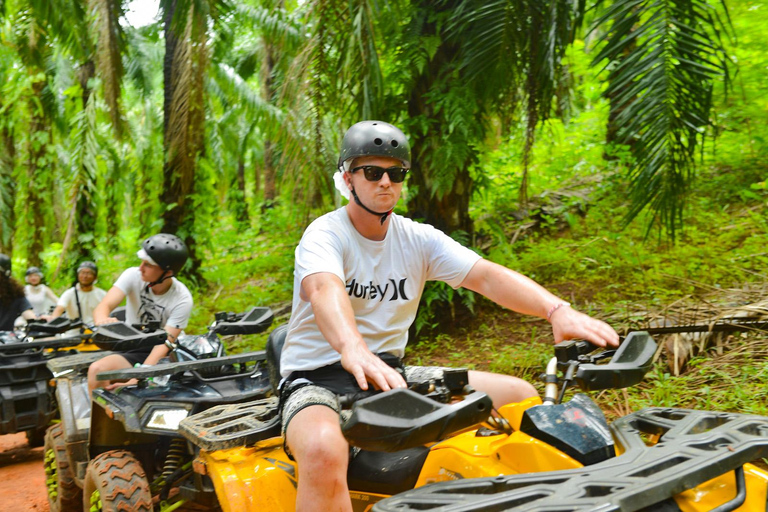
x: 229, y: 426
x: 694, y: 447
x: 160, y: 370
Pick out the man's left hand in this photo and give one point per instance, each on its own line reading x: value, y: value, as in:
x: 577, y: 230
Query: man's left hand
x: 568, y: 324
x: 115, y: 385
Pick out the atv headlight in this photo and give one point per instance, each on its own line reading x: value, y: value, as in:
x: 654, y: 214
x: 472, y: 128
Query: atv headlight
x: 167, y: 419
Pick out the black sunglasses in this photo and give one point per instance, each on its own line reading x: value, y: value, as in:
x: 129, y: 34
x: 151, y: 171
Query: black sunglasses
x: 374, y: 173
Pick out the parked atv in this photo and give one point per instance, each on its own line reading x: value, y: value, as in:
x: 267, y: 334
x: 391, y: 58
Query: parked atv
x: 533, y: 455
x: 121, y: 450
x: 27, y: 403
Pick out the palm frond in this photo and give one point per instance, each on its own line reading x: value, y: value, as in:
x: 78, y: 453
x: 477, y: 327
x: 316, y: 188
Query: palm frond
x: 511, y: 44
x: 665, y: 56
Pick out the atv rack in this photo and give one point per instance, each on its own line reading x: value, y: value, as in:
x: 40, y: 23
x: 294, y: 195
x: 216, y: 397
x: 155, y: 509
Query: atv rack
x: 42, y: 344
x: 694, y: 447
x: 163, y: 369
x: 228, y: 426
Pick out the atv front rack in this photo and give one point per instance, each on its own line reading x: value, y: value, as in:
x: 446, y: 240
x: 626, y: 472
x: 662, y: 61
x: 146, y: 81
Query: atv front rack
x: 228, y: 426
x: 75, y: 364
x: 694, y: 447
x: 163, y: 369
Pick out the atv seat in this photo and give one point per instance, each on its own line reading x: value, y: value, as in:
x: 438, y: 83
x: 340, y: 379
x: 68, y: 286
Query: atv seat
x: 386, y: 473
x: 274, y: 349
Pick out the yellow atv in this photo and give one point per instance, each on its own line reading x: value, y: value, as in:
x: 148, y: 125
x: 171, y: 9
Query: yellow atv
x: 420, y: 450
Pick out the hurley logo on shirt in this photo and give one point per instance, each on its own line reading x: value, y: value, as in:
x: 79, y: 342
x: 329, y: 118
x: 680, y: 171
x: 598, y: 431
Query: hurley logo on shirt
x: 396, y: 290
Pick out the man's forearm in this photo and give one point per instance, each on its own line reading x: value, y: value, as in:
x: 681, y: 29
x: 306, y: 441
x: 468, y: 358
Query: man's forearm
x: 333, y: 312
x: 158, y: 352
x: 510, y: 289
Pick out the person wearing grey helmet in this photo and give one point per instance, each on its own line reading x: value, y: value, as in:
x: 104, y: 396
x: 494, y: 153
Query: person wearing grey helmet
x: 38, y: 294
x: 152, y: 294
x: 359, y: 274
x: 81, y: 299
x: 13, y: 301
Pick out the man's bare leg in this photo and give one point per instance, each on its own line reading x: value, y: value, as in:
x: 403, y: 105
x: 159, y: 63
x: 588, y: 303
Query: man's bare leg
x: 322, y: 454
x: 105, y: 364
x: 503, y: 389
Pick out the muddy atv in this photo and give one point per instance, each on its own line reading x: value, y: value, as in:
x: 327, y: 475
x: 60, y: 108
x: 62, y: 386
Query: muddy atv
x: 27, y: 403
x: 418, y: 449
x: 121, y: 450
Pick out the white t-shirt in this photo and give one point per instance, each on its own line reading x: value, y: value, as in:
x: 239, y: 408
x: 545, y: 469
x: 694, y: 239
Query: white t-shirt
x: 171, y: 309
x: 88, y: 302
x: 40, y: 297
x: 384, y: 280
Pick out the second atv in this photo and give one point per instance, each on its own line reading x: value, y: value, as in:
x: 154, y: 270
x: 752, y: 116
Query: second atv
x: 124, y: 452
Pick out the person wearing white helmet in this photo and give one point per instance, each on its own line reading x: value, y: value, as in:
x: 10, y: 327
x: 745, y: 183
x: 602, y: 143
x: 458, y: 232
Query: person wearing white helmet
x: 39, y: 295
x: 152, y: 294
x: 13, y: 302
x: 79, y: 301
x: 359, y: 274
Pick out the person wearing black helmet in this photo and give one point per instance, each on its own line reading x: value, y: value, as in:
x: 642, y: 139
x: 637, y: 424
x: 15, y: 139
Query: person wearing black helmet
x: 80, y: 300
x: 39, y: 295
x: 152, y: 294
x: 359, y: 274
x: 13, y: 302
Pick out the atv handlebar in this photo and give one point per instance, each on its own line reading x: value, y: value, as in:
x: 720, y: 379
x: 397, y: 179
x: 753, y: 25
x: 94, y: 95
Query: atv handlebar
x: 121, y: 337
x: 627, y: 366
x: 254, y: 321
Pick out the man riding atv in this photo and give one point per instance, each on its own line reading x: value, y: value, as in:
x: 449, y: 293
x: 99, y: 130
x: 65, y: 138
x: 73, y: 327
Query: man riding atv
x: 153, y: 294
x: 79, y: 301
x: 359, y: 274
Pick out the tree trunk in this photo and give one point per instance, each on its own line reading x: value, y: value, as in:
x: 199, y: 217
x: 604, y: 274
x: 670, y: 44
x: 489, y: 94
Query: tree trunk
x: 183, y: 73
x: 447, y: 210
x: 240, y: 206
x: 270, y: 94
x: 37, y: 147
x: 8, y: 192
x: 85, y: 212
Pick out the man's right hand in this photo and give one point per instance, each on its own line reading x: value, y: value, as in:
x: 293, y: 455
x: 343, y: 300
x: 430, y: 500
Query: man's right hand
x: 366, y: 367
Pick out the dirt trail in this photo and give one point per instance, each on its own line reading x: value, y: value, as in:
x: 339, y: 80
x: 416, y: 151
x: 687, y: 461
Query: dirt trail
x: 22, y: 478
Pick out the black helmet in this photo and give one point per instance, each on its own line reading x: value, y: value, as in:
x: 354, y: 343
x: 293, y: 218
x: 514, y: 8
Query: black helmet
x: 168, y: 251
x: 375, y: 138
x: 5, y: 265
x: 90, y: 266
x: 34, y: 270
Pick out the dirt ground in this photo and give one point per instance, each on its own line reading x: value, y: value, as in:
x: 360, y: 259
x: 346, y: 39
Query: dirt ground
x: 22, y: 478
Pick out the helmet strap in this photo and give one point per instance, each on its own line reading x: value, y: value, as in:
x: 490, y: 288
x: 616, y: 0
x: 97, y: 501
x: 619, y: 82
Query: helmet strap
x: 162, y: 278
x: 383, y: 215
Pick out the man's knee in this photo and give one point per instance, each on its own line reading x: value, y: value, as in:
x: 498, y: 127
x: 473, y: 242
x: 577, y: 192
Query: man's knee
x: 315, y: 439
x: 502, y: 389
x: 112, y: 362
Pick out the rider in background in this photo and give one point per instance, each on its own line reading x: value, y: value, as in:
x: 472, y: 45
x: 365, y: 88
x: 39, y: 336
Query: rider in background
x: 80, y: 300
x: 152, y: 294
x: 359, y: 274
x: 39, y: 295
x: 13, y: 302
